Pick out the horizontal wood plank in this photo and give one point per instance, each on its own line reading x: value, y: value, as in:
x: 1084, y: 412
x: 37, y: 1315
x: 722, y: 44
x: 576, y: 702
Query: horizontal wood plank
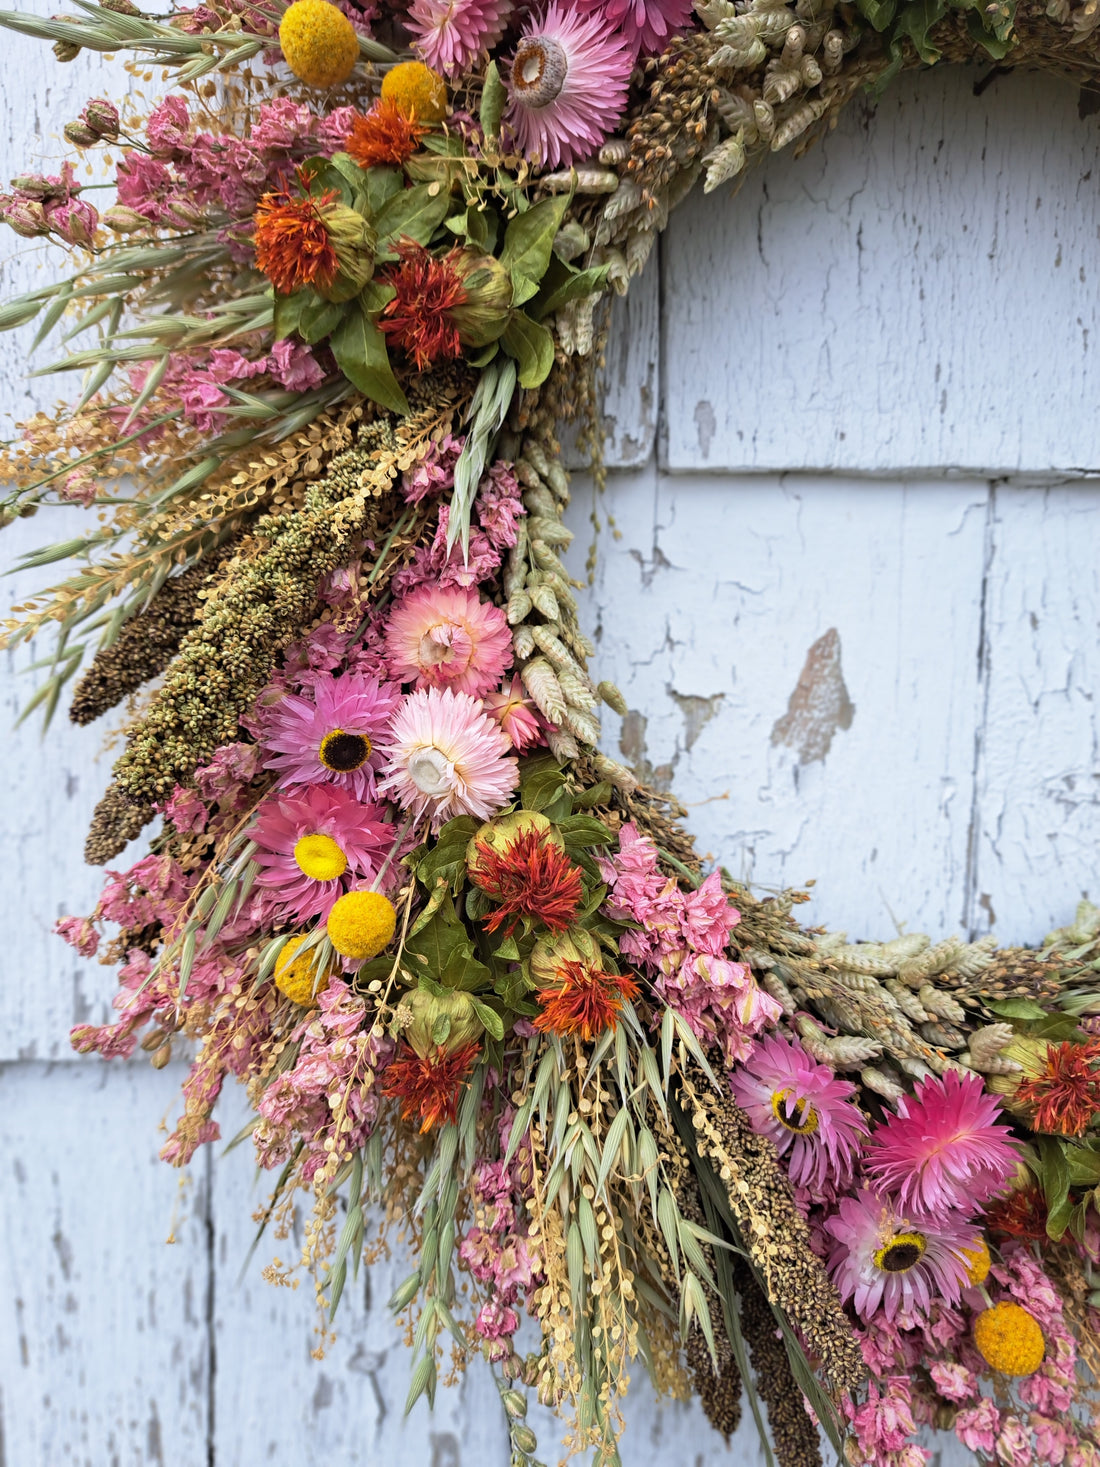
x: 918, y: 292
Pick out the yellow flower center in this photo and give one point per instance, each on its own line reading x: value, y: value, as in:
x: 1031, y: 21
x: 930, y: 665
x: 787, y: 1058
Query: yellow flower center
x: 901, y: 1252
x: 361, y: 924
x: 977, y: 1263
x: 299, y: 977
x: 342, y: 752
x: 1009, y: 1339
x: 418, y: 90
x: 320, y: 858
x: 319, y: 43
x: 801, y: 1118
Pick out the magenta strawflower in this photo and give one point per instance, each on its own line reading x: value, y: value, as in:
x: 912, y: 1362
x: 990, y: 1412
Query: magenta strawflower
x: 315, y: 843
x: 567, y: 86
x: 440, y: 637
x: 446, y: 757
x: 648, y: 25
x: 944, y: 1149
x: 881, y: 1259
x: 801, y: 1105
x: 450, y: 34
x: 330, y: 733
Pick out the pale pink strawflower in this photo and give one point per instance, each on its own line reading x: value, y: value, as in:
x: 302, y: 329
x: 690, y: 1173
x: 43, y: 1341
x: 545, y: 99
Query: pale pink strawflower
x: 447, y: 757
x: 447, y: 637
x: 450, y: 34
x: 944, y: 1149
x: 803, y: 1108
x: 881, y: 1259
x: 567, y: 86
x: 516, y: 714
x: 315, y: 843
x: 648, y: 25
x: 330, y: 733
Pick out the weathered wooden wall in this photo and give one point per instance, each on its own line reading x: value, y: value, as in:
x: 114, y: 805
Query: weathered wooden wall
x: 847, y: 580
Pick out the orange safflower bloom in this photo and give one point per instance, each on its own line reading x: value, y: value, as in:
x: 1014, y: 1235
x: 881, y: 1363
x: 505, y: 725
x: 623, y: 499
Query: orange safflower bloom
x: 1064, y: 1094
x: 429, y: 1087
x: 529, y: 877
x: 293, y: 247
x: 1022, y: 1214
x: 585, y: 1000
x: 419, y: 319
x: 387, y: 134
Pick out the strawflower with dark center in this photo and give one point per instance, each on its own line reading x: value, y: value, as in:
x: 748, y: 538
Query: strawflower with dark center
x: 386, y: 135
x: 583, y: 1000
x: 430, y: 1086
x: 1063, y: 1094
x: 530, y: 876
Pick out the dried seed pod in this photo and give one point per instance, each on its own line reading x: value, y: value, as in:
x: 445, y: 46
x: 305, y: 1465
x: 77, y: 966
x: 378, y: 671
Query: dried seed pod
x: 832, y: 53
x: 578, y: 690
x: 518, y: 608
x: 724, y: 162
x: 765, y: 119
x: 615, y: 150
x: 582, y: 725
x: 566, y: 322
x: 931, y: 961
x: 941, y: 1004
x: 796, y: 124
x: 586, y: 324
x: 793, y: 45
x: 943, y: 1035
x: 987, y: 1042
x: 811, y: 72
x: 544, y: 600
x: 626, y: 197
x: 572, y: 240
x: 540, y: 502
x: 615, y: 773
x: 549, y: 531
x: 536, y: 455
x: 581, y: 180
x: 780, y: 84
x: 558, y: 480
x: 523, y: 642
x: 848, y: 1052
x: 739, y: 58
x: 881, y: 1083
x: 540, y: 681
x: 562, y: 744
x: 610, y: 694
x: 516, y: 570
x: 907, y: 1001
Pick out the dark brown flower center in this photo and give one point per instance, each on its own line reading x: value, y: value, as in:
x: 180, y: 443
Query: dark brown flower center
x: 342, y: 752
x: 903, y: 1252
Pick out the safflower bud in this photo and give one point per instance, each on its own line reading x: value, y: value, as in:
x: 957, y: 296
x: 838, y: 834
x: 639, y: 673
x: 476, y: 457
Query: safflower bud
x: 354, y: 241
x: 447, y: 1020
x: 483, y: 316
x: 65, y: 50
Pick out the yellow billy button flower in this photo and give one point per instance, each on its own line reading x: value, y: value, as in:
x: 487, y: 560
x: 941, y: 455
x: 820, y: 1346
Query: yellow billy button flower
x: 320, y: 858
x: 977, y: 1263
x: 419, y: 91
x: 299, y: 977
x: 361, y: 924
x: 319, y: 43
x: 1009, y: 1339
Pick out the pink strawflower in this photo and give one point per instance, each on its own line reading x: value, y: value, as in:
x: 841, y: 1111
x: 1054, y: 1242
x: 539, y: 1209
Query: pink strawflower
x: 943, y: 1150
x: 313, y: 844
x: 567, y: 85
x: 516, y: 714
x: 450, y: 34
x: 448, y: 637
x: 446, y: 757
x: 881, y: 1259
x: 331, y: 732
x: 648, y: 25
x: 807, y: 1112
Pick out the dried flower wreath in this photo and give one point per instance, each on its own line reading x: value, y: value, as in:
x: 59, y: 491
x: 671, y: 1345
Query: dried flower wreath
x: 472, y: 975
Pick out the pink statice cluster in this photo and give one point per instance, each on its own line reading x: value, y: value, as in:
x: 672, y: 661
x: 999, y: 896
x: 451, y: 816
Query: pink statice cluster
x: 497, y: 510
x: 190, y: 178
x: 41, y: 204
x: 681, y: 942
x: 330, y: 1092
x: 499, y: 1254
